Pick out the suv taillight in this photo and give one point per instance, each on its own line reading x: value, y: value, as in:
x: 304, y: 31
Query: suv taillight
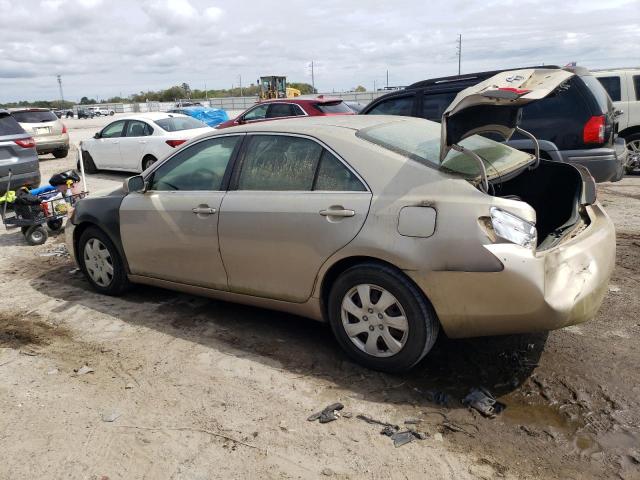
x: 593, y: 131
x: 26, y: 142
x: 64, y: 128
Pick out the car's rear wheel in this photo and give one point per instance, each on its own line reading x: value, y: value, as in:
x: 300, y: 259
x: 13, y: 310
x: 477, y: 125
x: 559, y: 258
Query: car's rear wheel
x: 101, y: 263
x: 380, y: 318
x: 148, y: 161
x: 63, y: 152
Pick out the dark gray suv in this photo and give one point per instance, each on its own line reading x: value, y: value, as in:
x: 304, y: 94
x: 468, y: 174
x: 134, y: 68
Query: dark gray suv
x: 18, y: 154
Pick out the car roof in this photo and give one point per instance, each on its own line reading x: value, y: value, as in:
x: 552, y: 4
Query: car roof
x: 29, y: 109
x: 615, y: 70
x: 152, y: 116
x: 306, y: 100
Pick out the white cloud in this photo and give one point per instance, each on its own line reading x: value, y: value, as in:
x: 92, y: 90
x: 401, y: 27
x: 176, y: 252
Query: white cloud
x: 123, y: 46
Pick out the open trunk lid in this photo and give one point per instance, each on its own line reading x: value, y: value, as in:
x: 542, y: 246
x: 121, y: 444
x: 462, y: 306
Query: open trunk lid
x: 494, y: 105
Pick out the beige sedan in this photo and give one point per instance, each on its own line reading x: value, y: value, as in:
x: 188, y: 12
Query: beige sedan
x: 359, y: 222
x: 48, y: 131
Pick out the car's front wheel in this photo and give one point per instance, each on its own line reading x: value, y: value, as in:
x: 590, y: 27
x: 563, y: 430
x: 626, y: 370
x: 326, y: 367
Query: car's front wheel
x: 101, y: 263
x: 380, y: 318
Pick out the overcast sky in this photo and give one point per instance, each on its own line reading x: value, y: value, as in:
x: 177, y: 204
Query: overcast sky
x: 110, y: 47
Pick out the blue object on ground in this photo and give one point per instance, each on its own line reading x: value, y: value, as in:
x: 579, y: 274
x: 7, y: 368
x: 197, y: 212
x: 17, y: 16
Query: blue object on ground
x: 41, y: 190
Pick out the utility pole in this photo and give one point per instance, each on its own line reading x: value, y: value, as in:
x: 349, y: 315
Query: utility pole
x: 374, y: 86
x: 61, y: 94
x: 313, y: 79
x: 459, y: 52
x: 240, y: 80
x: 206, y: 94
x: 387, y: 79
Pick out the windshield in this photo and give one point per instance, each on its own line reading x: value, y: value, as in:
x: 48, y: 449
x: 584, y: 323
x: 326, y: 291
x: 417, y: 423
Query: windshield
x: 420, y: 141
x: 36, y: 116
x: 175, y: 124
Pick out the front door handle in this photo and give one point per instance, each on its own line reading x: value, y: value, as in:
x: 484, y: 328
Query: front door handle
x: 203, y: 210
x: 337, y: 212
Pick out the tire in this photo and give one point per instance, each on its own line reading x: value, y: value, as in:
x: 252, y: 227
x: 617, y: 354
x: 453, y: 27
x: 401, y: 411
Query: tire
x: 89, y: 164
x: 36, y: 235
x: 111, y: 114
x: 148, y: 161
x: 96, y: 268
x: 421, y: 323
x: 55, y: 225
x: 635, y: 138
x: 61, y: 153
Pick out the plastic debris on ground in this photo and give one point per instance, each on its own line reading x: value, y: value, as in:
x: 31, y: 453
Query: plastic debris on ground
x: 110, y: 417
x: 59, y: 250
x: 392, y: 431
x: 481, y: 400
x: 83, y: 370
x: 328, y: 414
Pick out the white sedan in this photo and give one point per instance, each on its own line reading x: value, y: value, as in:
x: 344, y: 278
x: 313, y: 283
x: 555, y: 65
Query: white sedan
x: 136, y: 142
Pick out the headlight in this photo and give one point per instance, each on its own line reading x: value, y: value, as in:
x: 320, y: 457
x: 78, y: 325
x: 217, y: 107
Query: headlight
x: 513, y: 228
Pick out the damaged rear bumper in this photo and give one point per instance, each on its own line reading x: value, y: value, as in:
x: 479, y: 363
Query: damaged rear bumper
x: 555, y: 288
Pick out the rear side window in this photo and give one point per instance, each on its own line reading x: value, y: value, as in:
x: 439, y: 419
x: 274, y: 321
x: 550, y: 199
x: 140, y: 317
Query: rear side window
x: 434, y: 105
x: 136, y: 128
x: 394, y: 106
x: 176, y: 124
x: 35, y: 116
x: 636, y: 84
x: 598, y: 92
x: 277, y: 110
x: 334, y: 176
x: 612, y: 86
x: 9, y: 126
x: 278, y: 162
x: 334, y: 107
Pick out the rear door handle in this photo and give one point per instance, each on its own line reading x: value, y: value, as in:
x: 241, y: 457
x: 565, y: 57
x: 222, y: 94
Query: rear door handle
x: 203, y: 211
x: 337, y: 212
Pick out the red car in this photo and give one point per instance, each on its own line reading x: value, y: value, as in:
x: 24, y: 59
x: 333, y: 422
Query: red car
x: 290, y: 107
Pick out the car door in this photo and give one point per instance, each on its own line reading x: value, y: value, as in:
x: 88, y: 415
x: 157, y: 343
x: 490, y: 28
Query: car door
x: 170, y: 231
x: 105, y: 150
x: 292, y: 204
x: 133, y: 144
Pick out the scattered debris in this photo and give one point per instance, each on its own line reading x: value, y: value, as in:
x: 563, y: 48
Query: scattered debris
x: 110, y: 417
x: 53, y: 371
x: 29, y: 353
x: 328, y: 414
x: 614, y: 289
x: 435, y: 396
x: 373, y: 421
x: 438, y: 437
x: 481, y: 400
x: 74, y: 271
x: 412, y: 421
x: 59, y: 250
x: 128, y: 386
x: 83, y: 370
x: 327, y: 472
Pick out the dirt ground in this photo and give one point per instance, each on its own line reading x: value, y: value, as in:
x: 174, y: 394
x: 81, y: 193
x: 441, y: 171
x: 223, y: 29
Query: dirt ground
x: 189, y: 388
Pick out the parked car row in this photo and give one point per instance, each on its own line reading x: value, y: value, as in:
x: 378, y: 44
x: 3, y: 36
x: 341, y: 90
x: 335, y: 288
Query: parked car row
x: 388, y: 228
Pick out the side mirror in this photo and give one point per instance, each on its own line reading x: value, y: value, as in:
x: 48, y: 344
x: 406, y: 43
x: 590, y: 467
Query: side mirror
x: 134, y: 184
x: 240, y: 121
x: 97, y: 135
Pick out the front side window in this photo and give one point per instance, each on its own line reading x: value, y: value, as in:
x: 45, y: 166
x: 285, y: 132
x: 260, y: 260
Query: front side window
x: 200, y: 167
x: 394, y: 106
x: 278, y: 162
x: 113, y: 131
x: 258, y: 113
x: 612, y: 86
x: 136, y: 128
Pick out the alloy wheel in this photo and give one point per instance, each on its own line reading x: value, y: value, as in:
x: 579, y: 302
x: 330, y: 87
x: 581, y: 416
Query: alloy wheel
x: 374, y: 320
x: 98, y: 262
x: 634, y: 150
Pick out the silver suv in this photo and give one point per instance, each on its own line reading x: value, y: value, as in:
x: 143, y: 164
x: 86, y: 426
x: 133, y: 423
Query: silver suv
x: 48, y: 131
x: 18, y: 154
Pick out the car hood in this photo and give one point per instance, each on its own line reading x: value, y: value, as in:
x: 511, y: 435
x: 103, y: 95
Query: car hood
x: 494, y: 105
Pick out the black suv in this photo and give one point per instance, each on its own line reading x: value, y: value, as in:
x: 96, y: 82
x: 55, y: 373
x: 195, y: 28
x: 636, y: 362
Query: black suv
x: 577, y: 124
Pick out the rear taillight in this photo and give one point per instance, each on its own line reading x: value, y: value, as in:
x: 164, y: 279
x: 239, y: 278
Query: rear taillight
x: 593, y: 131
x: 26, y: 142
x: 174, y: 143
x: 64, y: 128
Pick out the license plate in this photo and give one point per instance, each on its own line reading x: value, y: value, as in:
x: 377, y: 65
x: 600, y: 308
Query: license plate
x: 42, y: 130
